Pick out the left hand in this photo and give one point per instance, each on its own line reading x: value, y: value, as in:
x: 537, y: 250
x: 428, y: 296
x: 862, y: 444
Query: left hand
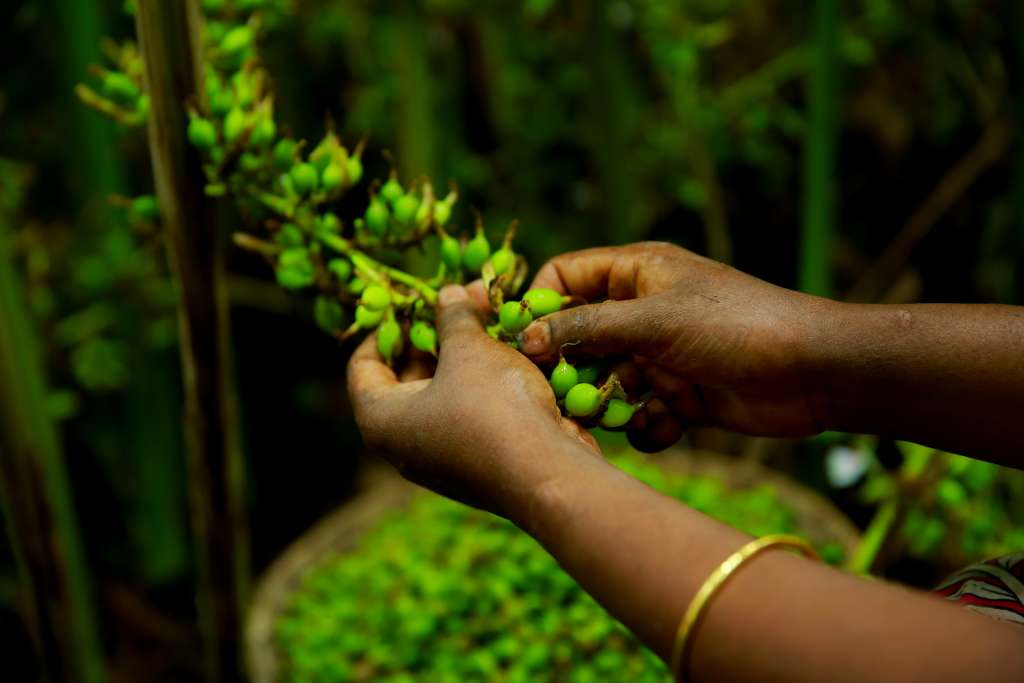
x: 481, y: 429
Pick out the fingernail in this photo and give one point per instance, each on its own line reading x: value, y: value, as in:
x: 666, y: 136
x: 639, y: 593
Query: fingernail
x: 452, y: 294
x: 535, y: 339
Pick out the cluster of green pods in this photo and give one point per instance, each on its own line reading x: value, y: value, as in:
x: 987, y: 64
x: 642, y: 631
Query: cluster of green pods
x: 581, y: 397
x: 353, y: 265
x: 516, y: 316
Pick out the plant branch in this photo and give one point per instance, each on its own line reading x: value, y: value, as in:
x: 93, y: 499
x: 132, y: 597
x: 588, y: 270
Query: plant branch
x: 170, y: 43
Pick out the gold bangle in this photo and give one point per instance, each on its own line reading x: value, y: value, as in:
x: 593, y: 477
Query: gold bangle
x: 716, y: 580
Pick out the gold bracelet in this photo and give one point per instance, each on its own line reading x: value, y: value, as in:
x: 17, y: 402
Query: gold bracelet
x: 716, y: 580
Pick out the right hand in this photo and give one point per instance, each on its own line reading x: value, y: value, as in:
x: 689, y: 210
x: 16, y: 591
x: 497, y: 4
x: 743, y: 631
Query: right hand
x: 718, y: 347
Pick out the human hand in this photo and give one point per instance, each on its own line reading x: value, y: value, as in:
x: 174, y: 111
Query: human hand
x: 481, y: 429
x: 718, y: 347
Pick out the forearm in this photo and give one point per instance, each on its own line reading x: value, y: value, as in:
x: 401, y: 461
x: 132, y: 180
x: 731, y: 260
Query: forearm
x: 643, y: 556
x: 948, y: 376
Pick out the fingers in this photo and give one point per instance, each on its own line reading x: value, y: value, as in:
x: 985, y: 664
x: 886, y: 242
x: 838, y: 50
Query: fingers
x: 605, y: 272
x: 458, y: 321
x: 419, y: 365
x: 478, y: 294
x: 654, y: 428
x: 576, y: 431
x: 368, y: 376
x: 597, y: 329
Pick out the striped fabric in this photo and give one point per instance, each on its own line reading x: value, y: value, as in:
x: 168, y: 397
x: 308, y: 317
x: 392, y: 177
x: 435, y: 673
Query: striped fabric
x: 994, y: 588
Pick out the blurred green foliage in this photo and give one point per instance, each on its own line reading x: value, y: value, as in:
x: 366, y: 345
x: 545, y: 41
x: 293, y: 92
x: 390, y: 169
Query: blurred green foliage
x: 593, y: 122
x: 443, y: 592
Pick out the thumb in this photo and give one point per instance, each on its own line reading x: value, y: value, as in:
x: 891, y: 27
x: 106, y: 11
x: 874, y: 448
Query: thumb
x: 600, y: 329
x: 458, y: 320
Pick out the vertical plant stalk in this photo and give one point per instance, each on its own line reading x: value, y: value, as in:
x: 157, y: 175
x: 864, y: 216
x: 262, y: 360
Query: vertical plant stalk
x: 415, y: 134
x: 611, y: 98
x: 55, y: 592
x: 820, y: 153
x: 170, y: 40
x: 97, y: 165
x: 880, y: 528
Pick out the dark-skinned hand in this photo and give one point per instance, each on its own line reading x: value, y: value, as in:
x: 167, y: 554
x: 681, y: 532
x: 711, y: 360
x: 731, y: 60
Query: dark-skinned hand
x: 718, y: 347
x: 476, y: 429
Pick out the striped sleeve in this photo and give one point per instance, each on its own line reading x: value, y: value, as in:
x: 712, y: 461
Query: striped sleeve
x: 994, y: 588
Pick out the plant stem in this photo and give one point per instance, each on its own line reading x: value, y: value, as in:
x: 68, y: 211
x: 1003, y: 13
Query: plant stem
x: 881, y: 525
x: 820, y: 153
x: 874, y: 537
x: 96, y: 162
x: 170, y: 42
x: 361, y: 260
x: 37, y: 500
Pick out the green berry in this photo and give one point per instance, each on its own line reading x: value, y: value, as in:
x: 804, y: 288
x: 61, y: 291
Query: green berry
x: 377, y: 218
x: 514, y: 316
x: 329, y: 222
x: 215, y: 31
x: 250, y: 163
x: 245, y: 90
x: 392, y: 191
x: 145, y: 208
x: 284, y: 153
x: 264, y: 132
x: 476, y: 253
x: 563, y: 378
x: 451, y: 253
x: 234, y: 124
x: 236, y: 41
x: 376, y: 298
x: 357, y: 286
x: 304, y: 178
x: 329, y: 314
x: 332, y: 177
x: 503, y: 260
x: 340, y: 268
x: 423, y: 214
x: 442, y: 213
x: 583, y: 400
x: 120, y: 87
x: 201, y: 133
x: 617, y: 414
x: 367, y: 319
x: 424, y: 337
x: 543, y: 301
x: 405, y: 208
x: 290, y: 236
x: 221, y: 102
x: 354, y: 168
x: 389, y: 338
x: 590, y: 373
x: 295, y: 269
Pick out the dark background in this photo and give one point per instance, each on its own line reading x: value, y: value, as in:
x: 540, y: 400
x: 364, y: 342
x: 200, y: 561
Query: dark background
x: 602, y: 122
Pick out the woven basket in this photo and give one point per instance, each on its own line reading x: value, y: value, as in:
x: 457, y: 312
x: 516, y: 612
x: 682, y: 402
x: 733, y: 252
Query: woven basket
x: 381, y: 491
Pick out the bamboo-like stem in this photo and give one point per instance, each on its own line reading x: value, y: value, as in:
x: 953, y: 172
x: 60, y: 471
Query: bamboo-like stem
x: 820, y: 153
x: 56, y: 597
x: 96, y: 160
x: 170, y: 43
x: 609, y: 100
x: 415, y: 134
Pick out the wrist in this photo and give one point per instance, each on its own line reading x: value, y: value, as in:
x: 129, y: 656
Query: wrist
x: 550, y: 469
x: 825, y: 355
x: 856, y: 369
